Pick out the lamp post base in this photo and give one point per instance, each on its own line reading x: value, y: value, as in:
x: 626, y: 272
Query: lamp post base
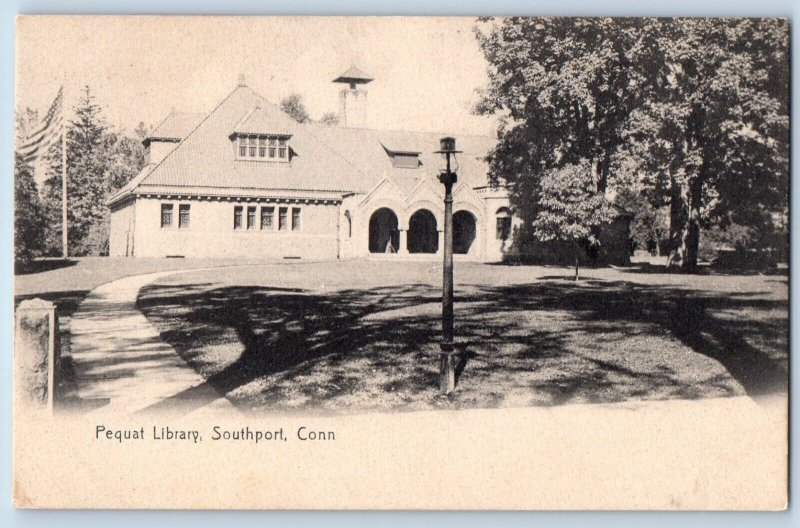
x: 447, y: 368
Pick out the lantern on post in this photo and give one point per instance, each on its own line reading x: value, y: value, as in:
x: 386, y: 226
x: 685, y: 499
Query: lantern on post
x: 448, y: 177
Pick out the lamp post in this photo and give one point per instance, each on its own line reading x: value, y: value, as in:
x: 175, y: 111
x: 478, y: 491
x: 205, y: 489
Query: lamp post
x: 448, y: 177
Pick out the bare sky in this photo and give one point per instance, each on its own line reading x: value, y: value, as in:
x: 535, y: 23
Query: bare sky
x: 426, y: 69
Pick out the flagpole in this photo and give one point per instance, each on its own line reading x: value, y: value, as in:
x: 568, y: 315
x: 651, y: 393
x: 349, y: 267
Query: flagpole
x: 64, y: 242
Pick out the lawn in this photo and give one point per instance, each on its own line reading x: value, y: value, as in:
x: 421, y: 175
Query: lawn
x: 66, y: 282
x: 355, y: 336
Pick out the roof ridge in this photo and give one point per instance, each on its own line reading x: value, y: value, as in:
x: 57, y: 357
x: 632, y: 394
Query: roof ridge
x: 390, y: 130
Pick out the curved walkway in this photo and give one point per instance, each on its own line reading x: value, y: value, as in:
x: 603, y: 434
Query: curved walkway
x: 121, y: 364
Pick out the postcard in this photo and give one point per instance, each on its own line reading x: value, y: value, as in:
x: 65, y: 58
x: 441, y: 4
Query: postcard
x: 520, y: 263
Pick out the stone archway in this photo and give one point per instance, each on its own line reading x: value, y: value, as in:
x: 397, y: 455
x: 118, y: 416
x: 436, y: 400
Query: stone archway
x: 423, y: 236
x: 464, y: 232
x: 384, y: 235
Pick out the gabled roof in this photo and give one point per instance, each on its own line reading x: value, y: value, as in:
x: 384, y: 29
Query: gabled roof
x: 174, y: 127
x: 258, y: 121
x: 326, y: 159
x: 369, y: 150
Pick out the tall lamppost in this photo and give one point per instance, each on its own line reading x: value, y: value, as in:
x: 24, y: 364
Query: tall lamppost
x: 448, y: 177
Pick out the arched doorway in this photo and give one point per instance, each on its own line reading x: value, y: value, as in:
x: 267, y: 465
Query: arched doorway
x: 384, y: 237
x: 422, y: 234
x: 464, y: 232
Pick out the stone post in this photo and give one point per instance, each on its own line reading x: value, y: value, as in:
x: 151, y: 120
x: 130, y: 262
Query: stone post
x: 35, y: 353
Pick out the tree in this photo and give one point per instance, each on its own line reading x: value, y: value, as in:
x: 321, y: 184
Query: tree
x: 329, y: 119
x: 720, y: 125
x: 570, y: 208
x: 573, y: 81
x: 51, y: 195
x: 694, y: 111
x: 87, y: 164
x: 564, y: 89
x: 124, y: 158
x: 294, y: 107
x: 28, y: 217
x: 649, y: 225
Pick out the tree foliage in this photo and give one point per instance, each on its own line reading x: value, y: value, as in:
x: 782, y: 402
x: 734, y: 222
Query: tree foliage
x: 329, y: 119
x: 100, y: 160
x: 28, y: 215
x: 570, y: 209
x: 693, y: 113
x: 294, y: 107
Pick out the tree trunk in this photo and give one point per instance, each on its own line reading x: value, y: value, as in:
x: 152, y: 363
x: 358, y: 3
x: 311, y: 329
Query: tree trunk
x: 677, y: 222
x: 690, y: 242
x: 577, y: 259
x: 686, y: 234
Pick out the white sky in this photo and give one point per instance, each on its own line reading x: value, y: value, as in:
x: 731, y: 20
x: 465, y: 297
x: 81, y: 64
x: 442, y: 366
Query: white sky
x: 426, y: 69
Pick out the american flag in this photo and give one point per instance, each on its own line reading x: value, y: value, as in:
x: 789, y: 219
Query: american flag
x: 48, y: 131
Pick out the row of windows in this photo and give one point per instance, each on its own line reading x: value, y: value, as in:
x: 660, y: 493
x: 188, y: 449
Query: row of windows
x: 262, y: 147
x: 267, y: 218
x: 167, y: 215
x: 503, y: 230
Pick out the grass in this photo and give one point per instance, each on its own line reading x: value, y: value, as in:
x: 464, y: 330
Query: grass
x: 363, y: 335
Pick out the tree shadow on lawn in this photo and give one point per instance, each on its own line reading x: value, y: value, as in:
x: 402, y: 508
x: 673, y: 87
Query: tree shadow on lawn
x: 43, y: 264
x: 377, y: 348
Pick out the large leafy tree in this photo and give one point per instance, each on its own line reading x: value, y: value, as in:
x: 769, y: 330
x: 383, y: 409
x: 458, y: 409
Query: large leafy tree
x: 565, y: 88
x: 693, y: 113
x: 722, y: 121
x: 568, y: 83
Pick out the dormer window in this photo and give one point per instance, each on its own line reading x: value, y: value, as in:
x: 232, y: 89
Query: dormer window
x: 403, y: 156
x: 262, y: 147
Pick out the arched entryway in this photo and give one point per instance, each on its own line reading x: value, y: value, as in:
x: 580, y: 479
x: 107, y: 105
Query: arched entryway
x: 464, y: 232
x: 422, y: 234
x: 384, y: 237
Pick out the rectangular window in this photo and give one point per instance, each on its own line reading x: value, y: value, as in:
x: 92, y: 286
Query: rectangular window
x: 242, y: 147
x: 251, y: 218
x: 295, y: 218
x: 183, y: 215
x: 503, y: 228
x: 266, y: 217
x: 282, y: 149
x: 262, y: 147
x: 272, y: 144
x: 166, y: 215
x: 282, y: 218
x: 237, y: 217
